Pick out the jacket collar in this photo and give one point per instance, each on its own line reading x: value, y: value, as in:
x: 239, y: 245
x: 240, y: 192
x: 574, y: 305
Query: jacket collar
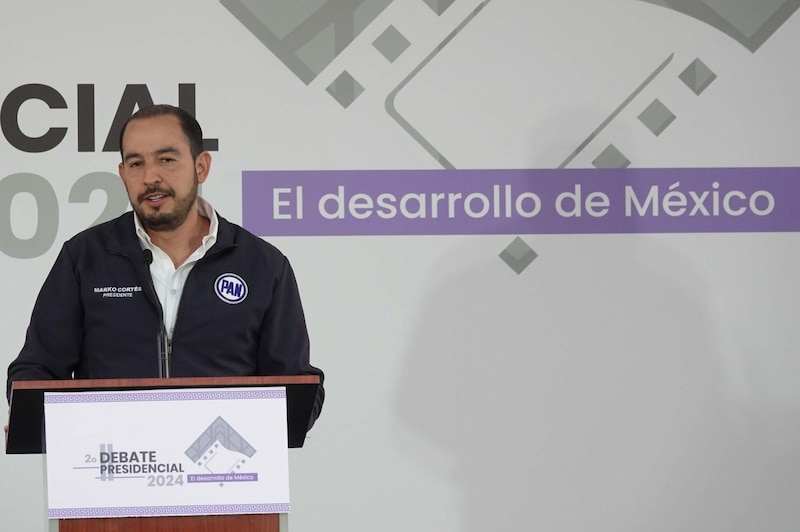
x: 121, y: 239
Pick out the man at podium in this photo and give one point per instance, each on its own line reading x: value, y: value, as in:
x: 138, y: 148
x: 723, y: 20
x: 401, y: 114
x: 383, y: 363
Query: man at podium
x: 171, y: 289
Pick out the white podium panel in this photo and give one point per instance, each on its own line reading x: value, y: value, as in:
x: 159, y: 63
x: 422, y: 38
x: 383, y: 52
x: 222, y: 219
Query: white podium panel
x: 166, y: 452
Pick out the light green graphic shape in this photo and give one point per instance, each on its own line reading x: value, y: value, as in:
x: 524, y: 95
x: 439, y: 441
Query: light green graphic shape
x: 750, y: 22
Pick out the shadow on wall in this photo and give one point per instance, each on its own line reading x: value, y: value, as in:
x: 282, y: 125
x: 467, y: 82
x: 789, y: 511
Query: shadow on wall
x: 587, y: 393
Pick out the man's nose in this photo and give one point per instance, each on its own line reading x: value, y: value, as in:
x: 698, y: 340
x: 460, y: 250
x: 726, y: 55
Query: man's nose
x: 152, y: 175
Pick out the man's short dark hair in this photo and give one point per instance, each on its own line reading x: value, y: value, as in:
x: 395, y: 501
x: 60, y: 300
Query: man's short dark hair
x: 191, y: 128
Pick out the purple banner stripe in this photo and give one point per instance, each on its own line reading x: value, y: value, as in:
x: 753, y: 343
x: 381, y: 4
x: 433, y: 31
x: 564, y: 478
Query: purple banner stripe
x: 573, y: 201
x: 223, y: 477
x: 127, y: 397
x: 143, y: 511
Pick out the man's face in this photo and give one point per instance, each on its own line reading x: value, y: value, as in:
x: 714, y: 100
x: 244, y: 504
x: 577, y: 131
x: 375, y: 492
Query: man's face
x: 159, y: 173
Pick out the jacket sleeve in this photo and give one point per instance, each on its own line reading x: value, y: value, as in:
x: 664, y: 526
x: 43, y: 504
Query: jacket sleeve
x: 54, y: 340
x: 284, y: 345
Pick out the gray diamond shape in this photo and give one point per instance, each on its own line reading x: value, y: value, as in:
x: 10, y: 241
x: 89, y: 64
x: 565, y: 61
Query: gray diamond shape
x: 697, y: 76
x: 345, y: 89
x: 391, y: 43
x: 656, y: 117
x: 518, y: 255
x: 611, y: 157
x: 439, y: 6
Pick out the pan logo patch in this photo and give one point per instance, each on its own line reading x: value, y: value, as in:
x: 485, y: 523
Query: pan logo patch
x: 230, y: 288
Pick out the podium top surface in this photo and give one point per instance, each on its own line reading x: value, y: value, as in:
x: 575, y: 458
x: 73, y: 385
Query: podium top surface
x: 26, y: 414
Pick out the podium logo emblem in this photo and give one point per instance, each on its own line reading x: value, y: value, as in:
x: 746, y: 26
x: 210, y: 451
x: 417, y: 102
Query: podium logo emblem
x: 222, y: 452
x: 230, y: 288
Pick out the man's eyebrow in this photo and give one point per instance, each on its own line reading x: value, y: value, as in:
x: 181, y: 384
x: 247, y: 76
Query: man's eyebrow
x: 161, y: 151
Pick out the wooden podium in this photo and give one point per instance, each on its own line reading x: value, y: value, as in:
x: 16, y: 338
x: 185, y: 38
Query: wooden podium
x: 26, y: 436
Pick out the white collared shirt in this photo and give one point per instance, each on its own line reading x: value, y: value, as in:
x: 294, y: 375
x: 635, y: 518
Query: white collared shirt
x: 167, y: 279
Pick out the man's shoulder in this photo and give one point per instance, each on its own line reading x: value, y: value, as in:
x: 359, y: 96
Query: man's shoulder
x: 112, y: 233
x: 231, y: 233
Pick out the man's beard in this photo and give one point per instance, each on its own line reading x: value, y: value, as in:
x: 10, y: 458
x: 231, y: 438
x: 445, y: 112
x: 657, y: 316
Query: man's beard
x: 169, y: 220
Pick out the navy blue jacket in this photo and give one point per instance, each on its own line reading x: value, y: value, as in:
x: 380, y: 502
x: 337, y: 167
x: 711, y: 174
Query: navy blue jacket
x: 96, y: 316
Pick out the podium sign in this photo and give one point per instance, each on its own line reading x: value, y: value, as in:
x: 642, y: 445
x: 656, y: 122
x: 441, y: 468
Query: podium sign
x: 166, y: 452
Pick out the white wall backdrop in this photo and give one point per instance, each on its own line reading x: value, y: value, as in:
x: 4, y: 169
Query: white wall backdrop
x: 627, y: 380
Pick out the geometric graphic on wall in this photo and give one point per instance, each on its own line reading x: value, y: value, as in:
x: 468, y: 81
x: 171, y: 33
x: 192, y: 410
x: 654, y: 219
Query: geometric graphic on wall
x: 391, y: 43
x: 611, y: 157
x: 345, y: 89
x: 656, y: 117
x: 391, y: 108
x: 439, y: 6
x: 518, y: 255
x: 306, y: 36
x: 697, y: 76
x: 751, y: 23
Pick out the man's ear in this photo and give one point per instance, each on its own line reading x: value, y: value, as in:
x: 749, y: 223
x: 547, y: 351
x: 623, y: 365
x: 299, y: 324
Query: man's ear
x: 202, y: 165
